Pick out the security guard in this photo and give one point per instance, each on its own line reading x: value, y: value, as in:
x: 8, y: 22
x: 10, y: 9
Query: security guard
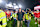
x: 27, y: 17
x: 27, y: 14
x: 3, y: 22
x: 14, y: 16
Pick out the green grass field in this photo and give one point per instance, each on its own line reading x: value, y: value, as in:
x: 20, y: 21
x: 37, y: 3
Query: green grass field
x: 32, y: 23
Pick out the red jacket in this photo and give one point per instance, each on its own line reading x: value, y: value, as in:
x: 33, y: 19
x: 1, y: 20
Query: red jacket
x: 39, y: 14
x: 36, y: 14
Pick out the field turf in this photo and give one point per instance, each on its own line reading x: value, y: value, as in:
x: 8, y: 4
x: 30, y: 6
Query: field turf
x: 32, y: 23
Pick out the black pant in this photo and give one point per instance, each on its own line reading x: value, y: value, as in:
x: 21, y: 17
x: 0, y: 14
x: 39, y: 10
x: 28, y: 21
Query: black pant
x: 14, y: 22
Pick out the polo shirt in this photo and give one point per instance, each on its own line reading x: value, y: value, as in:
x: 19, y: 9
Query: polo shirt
x: 20, y: 15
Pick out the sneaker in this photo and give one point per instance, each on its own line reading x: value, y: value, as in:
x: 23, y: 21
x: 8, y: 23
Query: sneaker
x: 38, y: 25
x: 35, y: 22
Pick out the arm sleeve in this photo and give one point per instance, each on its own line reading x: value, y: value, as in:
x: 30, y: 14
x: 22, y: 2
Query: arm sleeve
x: 24, y: 15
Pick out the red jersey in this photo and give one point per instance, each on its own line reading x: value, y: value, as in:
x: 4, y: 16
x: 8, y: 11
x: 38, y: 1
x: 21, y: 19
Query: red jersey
x: 36, y: 14
x: 39, y: 14
x: 8, y: 14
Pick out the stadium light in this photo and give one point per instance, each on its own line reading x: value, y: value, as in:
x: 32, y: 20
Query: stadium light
x: 9, y: 5
x: 16, y: 7
x: 1, y: 1
x: 20, y: 6
x: 14, y: 3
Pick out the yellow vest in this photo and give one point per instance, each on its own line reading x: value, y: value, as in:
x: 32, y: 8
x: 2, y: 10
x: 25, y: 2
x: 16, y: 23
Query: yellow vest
x: 3, y: 18
x: 14, y: 15
x: 27, y: 17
